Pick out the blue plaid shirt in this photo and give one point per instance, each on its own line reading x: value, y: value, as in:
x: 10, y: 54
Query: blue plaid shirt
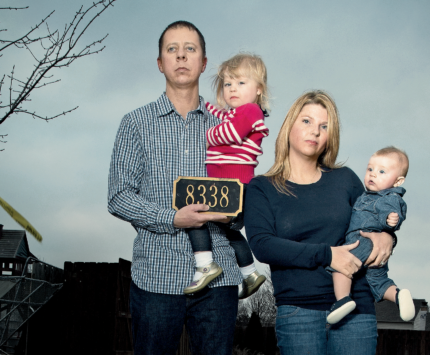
x: 154, y: 145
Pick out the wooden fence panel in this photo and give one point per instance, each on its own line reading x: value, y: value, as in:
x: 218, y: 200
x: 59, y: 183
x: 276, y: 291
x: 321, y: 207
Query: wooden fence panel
x: 403, y: 342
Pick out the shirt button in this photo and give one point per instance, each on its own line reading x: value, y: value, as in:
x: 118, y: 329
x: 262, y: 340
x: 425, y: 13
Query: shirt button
x: 186, y: 152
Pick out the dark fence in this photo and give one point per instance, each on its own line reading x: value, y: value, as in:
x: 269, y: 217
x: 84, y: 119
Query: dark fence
x: 90, y: 315
x: 403, y: 342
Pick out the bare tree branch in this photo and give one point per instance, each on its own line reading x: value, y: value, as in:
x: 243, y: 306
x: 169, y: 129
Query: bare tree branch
x: 54, y: 49
x: 14, y: 8
x: 25, y: 39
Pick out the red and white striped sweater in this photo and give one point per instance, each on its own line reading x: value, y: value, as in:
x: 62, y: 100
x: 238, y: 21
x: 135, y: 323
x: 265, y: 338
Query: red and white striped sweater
x: 235, y: 143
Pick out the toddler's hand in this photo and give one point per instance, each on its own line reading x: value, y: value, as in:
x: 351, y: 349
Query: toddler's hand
x: 393, y: 219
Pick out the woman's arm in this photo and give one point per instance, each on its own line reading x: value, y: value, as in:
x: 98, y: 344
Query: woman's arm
x: 382, y: 248
x: 343, y: 261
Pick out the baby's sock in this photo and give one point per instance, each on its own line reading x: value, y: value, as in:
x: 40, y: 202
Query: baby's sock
x: 202, y: 259
x: 248, y: 270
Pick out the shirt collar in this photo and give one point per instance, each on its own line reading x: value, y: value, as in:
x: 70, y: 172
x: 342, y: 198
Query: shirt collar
x: 165, y: 106
x: 398, y: 190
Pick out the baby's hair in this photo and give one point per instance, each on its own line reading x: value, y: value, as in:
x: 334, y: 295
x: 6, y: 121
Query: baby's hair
x: 401, y: 155
x: 243, y: 64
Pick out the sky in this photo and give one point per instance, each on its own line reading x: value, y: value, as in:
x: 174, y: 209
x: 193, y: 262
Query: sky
x: 371, y: 56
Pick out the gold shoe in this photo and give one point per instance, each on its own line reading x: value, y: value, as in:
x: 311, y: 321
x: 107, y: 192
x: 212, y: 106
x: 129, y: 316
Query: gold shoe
x: 209, y: 272
x: 251, y: 284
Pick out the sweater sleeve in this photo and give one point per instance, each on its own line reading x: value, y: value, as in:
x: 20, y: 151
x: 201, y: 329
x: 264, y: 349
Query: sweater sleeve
x: 244, y: 119
x: 267, y: 246
x: 221, y: 114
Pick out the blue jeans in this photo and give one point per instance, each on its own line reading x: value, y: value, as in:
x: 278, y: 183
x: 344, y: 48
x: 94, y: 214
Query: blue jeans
x: 303, y: 331
x: 158, y: 319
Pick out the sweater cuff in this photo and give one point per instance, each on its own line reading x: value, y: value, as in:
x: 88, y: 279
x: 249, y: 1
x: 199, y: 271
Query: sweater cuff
x: 323, y: 256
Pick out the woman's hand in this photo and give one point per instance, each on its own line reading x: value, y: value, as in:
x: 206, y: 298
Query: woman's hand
x: 343, y: 261
x: 382, y: 248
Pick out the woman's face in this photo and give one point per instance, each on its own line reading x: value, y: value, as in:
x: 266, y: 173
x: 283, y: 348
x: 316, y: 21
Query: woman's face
x: 308, y: 136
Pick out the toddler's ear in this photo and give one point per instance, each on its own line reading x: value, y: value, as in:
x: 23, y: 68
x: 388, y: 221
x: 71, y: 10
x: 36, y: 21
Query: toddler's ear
x: 400, y: 180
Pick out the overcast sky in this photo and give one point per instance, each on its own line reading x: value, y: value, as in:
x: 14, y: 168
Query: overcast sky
x: 372, y: 56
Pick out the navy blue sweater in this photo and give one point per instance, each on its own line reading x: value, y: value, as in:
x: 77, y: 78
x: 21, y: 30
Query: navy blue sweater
x: 294, y: 234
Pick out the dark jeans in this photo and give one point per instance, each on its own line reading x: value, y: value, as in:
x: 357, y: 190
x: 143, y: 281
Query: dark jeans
x: 158, y: 319
x: 305, y: 331
x: 201, y: 241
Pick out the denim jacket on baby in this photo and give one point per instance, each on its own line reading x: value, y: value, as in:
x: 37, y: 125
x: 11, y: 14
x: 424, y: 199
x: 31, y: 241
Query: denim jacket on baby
x: 372, y: 208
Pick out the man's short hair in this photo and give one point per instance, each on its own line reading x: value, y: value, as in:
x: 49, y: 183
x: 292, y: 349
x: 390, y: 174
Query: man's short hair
x: 180, y: 24
x: 401, y: 156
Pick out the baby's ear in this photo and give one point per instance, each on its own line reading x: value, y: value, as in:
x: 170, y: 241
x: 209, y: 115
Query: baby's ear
x: 400, y: 180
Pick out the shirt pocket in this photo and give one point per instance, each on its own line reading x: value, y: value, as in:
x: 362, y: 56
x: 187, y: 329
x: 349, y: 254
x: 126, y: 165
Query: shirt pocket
x: 365, y: 203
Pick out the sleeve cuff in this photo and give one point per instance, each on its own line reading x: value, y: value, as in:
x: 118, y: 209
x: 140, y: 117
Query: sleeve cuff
x: 324, y: 256
x: 165, y: 221
x: 161, y: 220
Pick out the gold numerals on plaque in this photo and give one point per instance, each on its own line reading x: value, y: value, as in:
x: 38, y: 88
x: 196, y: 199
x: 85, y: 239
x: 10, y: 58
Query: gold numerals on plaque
x: 213, y: 187
x: 190, y: 194
x: 223, y: 196
x: 223, y: 201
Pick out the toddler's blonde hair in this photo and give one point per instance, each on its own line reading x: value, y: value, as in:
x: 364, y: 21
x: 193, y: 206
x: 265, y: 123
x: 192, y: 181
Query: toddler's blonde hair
x: 243, y: 64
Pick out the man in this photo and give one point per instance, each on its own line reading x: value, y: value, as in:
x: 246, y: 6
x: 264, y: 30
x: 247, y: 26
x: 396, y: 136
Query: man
x: 155, y: 144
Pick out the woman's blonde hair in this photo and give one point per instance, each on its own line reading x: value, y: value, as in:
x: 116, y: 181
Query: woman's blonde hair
x: 243, y: 64
x: 281, y: 169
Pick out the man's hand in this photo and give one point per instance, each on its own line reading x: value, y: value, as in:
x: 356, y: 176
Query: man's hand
x: 382, y: 247
x: 393, y: 219
x: 343, y: 261
x: 189, y: 217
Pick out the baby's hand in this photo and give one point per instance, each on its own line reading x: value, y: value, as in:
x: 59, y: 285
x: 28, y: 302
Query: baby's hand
x: 393, y: 219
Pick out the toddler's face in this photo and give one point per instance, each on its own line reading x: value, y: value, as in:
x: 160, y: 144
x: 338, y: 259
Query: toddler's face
x: 382, y: 172
x: 240, y: 90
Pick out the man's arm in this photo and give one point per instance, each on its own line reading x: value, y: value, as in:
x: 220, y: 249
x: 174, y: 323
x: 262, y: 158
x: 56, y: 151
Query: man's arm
x: 125, y: 178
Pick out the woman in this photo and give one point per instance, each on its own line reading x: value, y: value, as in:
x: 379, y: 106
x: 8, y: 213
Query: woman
x: 296, y: 218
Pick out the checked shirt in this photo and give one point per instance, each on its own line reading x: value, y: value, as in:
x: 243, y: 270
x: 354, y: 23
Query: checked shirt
x: 154, y: 145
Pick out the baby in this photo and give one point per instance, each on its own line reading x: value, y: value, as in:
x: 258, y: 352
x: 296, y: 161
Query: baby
x: 233, y: 147
x: 380, y: 208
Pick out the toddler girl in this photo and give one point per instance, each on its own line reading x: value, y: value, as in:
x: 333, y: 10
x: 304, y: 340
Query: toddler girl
x: 233, y: 147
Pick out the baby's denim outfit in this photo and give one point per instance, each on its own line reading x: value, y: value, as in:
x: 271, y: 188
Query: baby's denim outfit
x: 370, y: 214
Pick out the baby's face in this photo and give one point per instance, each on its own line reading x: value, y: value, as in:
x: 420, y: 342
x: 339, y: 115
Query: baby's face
x: 382, y: 172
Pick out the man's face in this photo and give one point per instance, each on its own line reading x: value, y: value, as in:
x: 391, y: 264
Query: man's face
x: 182, y: 59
